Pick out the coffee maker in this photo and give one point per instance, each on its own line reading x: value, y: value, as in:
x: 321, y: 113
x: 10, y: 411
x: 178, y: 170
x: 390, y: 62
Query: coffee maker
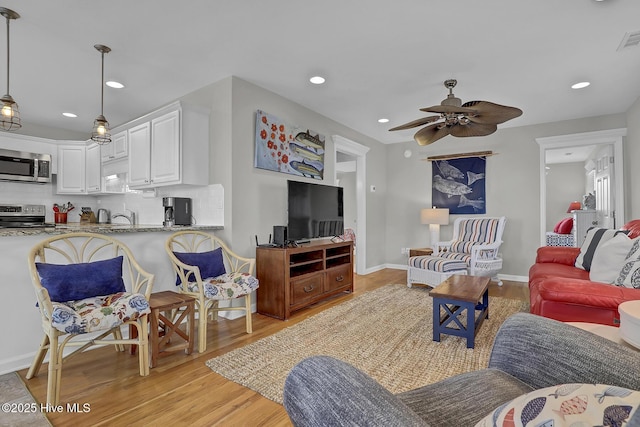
x: 177, y: 211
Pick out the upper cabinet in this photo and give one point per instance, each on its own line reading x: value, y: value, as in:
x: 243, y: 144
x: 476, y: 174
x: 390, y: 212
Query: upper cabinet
x: 140, y: 155
x: 117, y: 149
x: 169, y: 147
x: 79, y: 169
x: 71, y: 169
x: 93, y: 177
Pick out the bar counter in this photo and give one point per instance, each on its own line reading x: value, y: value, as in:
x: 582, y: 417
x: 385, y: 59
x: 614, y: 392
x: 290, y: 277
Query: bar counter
x: 100, y: 228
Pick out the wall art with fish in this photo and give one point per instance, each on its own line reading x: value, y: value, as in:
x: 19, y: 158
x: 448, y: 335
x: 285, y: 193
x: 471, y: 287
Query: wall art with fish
x: 459, y: 184
x: 289, y: 149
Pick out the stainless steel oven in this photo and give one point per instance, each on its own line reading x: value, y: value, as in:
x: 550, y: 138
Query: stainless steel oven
x: 25, y: 167
x: 22, y: 216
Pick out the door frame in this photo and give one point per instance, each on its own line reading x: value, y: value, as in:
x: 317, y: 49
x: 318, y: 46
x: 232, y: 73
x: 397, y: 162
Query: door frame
x: 344, y: 145
x: 612, y: 137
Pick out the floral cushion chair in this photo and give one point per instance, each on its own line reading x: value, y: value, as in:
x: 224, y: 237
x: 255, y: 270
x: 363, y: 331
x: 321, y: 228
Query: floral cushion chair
x: 209, y: 271
x: 87, y: 284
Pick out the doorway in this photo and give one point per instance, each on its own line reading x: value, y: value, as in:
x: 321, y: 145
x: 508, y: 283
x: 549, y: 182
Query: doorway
x: 353, y: 150
x: 608, y: 142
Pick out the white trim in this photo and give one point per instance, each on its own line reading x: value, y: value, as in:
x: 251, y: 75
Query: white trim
x: 347, y: 146
x: 611, y: 136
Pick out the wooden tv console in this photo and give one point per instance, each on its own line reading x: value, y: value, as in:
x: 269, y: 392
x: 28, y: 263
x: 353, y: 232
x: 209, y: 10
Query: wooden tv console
x: 295, y: 277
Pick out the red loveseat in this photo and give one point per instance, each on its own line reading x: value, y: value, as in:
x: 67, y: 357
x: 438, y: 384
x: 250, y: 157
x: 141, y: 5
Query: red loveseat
x: 560, y: 291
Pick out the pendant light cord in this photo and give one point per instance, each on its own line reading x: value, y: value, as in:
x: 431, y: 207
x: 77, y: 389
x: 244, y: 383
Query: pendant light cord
x: 8, y: 56
x: 102, y: 87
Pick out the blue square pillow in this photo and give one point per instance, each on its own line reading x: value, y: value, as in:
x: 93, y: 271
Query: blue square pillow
x: 210, y: 263
x: 72, y: 282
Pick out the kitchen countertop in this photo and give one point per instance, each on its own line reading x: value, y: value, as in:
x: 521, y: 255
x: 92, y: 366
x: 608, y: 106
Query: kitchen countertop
x: 100, y: 228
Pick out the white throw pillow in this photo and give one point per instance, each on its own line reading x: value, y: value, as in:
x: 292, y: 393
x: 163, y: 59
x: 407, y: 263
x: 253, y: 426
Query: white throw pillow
x: 567, y: 405
x: 609, y: 258
x: 629, y: 276
x: 595, y: 237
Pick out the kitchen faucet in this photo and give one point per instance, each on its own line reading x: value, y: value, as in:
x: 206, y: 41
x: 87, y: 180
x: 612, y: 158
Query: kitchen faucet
x: 131, y: 217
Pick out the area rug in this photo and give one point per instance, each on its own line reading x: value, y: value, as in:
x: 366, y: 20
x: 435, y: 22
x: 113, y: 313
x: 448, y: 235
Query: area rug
x: 387, y: 333
x: 19, y: 408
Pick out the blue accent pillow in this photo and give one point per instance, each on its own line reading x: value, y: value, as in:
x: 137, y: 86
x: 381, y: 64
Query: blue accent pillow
x: 210, y: 263
x: 72, y: 282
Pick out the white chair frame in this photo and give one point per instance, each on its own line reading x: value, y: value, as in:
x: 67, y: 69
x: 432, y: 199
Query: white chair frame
x: 485, y: 258
x: 198, y: 241
x: 81, y: 247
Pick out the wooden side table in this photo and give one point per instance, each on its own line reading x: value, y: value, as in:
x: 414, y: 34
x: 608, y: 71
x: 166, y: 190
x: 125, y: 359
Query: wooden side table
x: 456, y: 297
x: 163, y: 325
x: 420, y: 252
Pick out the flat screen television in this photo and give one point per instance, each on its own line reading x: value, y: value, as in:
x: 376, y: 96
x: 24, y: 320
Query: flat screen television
x: 314, y: 210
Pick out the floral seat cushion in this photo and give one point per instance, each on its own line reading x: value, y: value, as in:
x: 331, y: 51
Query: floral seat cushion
x: 227, y: 286
x: 98, y: 313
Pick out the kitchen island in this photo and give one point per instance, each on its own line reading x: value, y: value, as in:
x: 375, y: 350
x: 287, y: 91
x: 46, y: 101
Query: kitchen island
x: 18, y: 310
x: 71, y: 227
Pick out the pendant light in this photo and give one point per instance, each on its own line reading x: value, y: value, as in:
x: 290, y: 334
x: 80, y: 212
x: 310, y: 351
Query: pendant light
x: 9, y: 114
x: 101, y: 132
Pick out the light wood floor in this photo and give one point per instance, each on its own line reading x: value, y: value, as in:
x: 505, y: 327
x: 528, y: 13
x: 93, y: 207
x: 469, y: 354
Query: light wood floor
x: 182, y: 390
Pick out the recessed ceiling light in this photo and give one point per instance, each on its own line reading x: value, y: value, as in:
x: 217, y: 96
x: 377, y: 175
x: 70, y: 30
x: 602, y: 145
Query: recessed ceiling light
x: 114, y: 84
x: 317, y: 80
x: 580, y: 85
x: 72, y: 115
x: 383, y: 120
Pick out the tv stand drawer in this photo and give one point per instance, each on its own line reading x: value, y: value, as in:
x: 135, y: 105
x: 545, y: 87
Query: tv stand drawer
x: 307, y: 288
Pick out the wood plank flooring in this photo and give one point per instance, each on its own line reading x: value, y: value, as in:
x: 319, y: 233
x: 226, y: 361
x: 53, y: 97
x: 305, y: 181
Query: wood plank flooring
x: 182, y: 390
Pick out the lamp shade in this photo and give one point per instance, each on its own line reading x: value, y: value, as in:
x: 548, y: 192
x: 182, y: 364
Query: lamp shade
x: 574, y: 206
x: 434, y: 216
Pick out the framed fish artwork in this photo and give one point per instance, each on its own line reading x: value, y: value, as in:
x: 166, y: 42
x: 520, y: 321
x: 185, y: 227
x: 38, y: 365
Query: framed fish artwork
x: 281, y: 147
x: 459, y: 185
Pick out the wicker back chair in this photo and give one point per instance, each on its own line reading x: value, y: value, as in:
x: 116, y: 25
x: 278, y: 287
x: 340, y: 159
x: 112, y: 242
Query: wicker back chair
x: 88, y: 286
x: 209, y: 271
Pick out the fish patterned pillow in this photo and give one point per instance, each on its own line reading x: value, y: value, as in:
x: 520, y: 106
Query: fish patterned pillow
x: 575, y: 405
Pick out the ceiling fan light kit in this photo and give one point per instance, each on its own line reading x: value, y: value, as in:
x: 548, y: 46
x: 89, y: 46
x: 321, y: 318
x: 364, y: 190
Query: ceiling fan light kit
x: 473, y: 118
x: 9, y: 113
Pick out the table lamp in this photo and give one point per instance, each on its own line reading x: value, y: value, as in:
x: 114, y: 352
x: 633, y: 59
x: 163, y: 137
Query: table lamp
x: 435, y: 217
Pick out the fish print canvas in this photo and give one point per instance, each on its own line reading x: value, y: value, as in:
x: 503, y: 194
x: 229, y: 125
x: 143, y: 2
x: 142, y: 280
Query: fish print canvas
x: 459, y: 185
x: 282, y: 147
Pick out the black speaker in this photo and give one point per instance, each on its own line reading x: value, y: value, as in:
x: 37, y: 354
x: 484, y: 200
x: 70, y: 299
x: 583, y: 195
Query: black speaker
x: 279, y: 235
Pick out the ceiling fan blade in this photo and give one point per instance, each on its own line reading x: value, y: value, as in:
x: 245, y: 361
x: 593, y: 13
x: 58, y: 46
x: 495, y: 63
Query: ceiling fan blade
x: 448, y: 109
x: 473, y: 129
x: 416, y: 123
x: 488, y: 112
x: 431, y: 134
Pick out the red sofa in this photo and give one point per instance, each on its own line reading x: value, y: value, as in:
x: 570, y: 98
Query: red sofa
x: 560, y: 291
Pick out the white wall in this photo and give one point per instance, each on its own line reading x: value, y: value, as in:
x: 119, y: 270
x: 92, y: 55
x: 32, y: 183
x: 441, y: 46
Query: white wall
x: 566, y: 182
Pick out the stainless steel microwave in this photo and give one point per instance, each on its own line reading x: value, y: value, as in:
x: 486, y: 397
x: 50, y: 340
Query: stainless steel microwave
x: 25, y: 167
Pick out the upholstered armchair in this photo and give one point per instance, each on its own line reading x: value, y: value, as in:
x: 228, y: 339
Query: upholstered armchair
x: 88, y: 286
x: 476, y: 241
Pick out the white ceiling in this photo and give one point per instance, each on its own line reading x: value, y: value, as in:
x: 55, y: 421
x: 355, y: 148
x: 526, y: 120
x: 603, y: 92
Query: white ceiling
x: 380, y: 58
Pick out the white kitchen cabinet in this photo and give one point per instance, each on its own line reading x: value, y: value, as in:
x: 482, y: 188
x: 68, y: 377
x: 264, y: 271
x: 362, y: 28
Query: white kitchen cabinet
x: 71, y: 169
x: 140, y: 155
x: 116, y: 149
x: 165, y: 148
x: 169, y: 147
x: 79, y: 169
x: 93, y: 177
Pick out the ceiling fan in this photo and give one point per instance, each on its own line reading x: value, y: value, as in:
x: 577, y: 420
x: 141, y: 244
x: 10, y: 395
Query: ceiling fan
x: 473, y: 118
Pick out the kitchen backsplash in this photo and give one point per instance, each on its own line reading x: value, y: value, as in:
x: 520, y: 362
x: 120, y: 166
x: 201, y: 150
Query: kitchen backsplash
x: 207, y: 202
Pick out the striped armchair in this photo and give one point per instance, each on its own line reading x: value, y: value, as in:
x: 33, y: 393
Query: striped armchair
x: 476, y: 241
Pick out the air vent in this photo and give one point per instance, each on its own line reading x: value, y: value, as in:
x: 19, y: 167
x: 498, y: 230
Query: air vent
x: 630, y: 40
